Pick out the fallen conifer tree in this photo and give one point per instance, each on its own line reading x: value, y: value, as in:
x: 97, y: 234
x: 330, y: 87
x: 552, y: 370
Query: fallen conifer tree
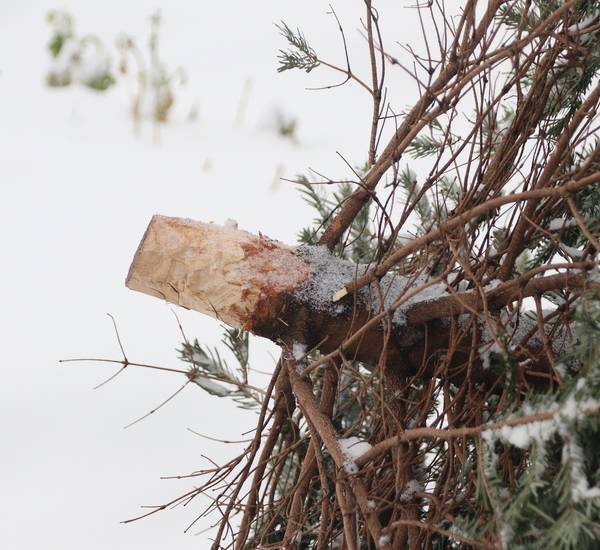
x: 297, y: 297
x: 439, y: 383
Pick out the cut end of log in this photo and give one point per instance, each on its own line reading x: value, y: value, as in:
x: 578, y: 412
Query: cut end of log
x: 226, y: 273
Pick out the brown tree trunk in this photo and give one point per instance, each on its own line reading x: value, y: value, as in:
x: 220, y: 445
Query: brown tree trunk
x: 286, y: 294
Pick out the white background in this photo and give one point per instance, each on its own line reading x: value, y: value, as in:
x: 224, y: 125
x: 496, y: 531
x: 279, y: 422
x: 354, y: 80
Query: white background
x: 77, y: 191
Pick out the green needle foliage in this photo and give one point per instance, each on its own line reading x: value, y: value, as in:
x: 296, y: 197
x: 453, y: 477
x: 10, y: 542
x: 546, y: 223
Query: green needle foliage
x: 359, y: 241
x: 554, y: 501
x: 300, y: 56
x: 488, y: 420
x: 408, y: 180
x: 209, y: 371
x: 76, y: 59
x: 62, y: 24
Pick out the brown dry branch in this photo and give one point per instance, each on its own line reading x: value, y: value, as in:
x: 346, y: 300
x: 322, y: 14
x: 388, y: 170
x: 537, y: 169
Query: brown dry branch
x: 441, y: 326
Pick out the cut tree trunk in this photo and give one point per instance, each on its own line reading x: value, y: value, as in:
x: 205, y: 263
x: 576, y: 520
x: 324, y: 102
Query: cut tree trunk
x: 286, y: 294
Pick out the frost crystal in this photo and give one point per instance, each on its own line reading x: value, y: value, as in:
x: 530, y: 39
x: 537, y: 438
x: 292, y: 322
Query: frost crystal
x: 330, y: 275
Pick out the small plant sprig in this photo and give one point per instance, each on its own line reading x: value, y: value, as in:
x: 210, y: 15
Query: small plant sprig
x: 210, y: 372
x: 286, y: 126
x: 359, y: 242
x: 155, y: 84
x: 408, y: 180
x: 62, y: 27
x: 301, y: 56
x: 237, y: 340
x: 82, y: 60
x: 427, y: 145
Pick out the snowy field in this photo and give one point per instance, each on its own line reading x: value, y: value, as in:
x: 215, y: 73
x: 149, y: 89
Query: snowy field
x: 78, y: 189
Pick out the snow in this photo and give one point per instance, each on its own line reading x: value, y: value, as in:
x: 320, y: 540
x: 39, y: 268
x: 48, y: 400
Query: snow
x: 330, y: 273
x: 82, y: 59
x: 580, y: 487
x: 583, y: 24
x: 490, y: 332
x: 230, y: 224
x: 61, y: 22
x: 352, y: 448
x: 541, y: 431
x: 561, y: 369
x: 575, y: 253
x: 413, y: 486
x: 298, y: 351
x: 492, y: 284
x: 384, y: 540
x: 594, y: 274
x: 557, y: 224
x: 582, y: 491
x: 394, y: 287
x: 485, y: 351
x: 93, y: 62
x: 79, y: 188
x: 506, y: 535
x: 199, y: 358
x: 211, y: 387
x: 524, y: 435
x: 574, y: 406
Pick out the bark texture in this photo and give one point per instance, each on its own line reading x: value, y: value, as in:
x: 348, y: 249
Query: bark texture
x: 217, y: 270
x: 286, y: 294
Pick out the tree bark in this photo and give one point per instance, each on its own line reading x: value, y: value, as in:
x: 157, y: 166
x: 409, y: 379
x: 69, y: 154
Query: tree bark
x: 286, y: 294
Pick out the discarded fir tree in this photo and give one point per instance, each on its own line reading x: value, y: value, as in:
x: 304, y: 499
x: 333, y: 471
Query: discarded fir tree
x: 439, y: 383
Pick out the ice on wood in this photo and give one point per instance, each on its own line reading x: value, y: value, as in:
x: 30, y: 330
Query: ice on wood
x: 331, y: 274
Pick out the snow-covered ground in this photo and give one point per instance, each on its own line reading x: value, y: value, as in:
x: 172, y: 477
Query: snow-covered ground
x: 77, y: 191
